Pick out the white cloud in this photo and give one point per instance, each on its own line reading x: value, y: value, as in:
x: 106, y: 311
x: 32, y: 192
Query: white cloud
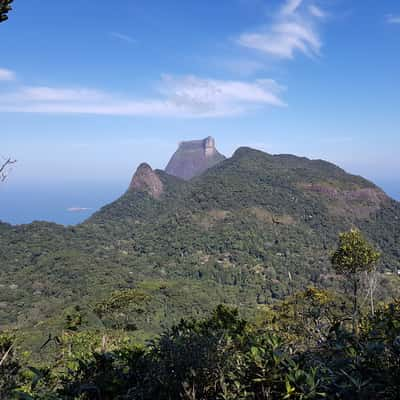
x: 123, y: 37
x: 283, y: 40
x: 293, y: 29
x: 7, y: 75
x: 393, y: 19
x: 316, y: 11
x: 291, y: 6
x: 188, y: 96
x: 208, y: 95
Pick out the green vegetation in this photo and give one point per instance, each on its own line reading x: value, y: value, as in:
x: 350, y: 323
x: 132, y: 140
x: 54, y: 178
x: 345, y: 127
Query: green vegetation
x: 250, y: 231
x: 255, y: 234
x: 5, y: 7
x: 226, y: 357
x: 355, y: 257
x: 9, y: 366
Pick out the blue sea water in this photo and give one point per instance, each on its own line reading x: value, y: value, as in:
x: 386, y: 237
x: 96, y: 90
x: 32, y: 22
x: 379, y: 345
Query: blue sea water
x: 391, y: 188
x: 66, y: 204
x: 24, y: 203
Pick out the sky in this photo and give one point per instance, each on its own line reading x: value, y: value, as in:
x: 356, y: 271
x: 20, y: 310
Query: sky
x: 90, y: 89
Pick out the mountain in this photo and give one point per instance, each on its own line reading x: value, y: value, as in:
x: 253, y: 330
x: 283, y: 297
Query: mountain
x: 247, y: 231
x: 193, y: 158
x: 146, y: 180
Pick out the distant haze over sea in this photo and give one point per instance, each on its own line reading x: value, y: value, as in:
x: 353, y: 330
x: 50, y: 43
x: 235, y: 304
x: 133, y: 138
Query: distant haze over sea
x: 72, y: 203
x: 391, y: 188
x: 66, y: 204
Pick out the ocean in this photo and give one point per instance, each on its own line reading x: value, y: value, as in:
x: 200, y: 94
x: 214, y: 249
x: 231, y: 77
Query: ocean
x: 66, y: 204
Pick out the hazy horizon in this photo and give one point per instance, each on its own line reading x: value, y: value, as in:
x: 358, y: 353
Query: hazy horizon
x: 69, y: 201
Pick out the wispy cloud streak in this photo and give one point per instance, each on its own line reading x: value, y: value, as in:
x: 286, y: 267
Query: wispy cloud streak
x: 293, y: 29
x: 291, y: 6
x: 393, y: 19
x: 7, y: 75
x: 123, y: 37
x: 316, y: 11
x: 186, y: 97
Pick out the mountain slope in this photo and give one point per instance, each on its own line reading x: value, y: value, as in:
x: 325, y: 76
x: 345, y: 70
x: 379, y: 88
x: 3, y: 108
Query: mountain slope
x: 231, y: 235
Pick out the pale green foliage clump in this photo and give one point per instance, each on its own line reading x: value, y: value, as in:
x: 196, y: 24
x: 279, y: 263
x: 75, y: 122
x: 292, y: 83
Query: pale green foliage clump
x: 354, y: 254
x: 354, y: 257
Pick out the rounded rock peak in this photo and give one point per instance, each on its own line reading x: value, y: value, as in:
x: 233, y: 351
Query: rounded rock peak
x: 146, y: 180
x: 143, y: 167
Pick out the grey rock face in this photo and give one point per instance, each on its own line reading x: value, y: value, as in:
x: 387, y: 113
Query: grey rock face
x: 146, y: 180
x: 193, y: 158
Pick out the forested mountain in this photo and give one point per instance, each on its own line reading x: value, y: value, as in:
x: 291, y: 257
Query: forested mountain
x: 251, y: 229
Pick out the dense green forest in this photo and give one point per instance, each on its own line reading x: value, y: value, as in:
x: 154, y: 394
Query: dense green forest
x: 301, y: 348
x: 314, y: 344
x: 222, y: 287
x: 248, y: 232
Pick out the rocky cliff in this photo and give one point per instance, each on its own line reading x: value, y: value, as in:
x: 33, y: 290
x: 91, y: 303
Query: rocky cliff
x: 193, y: 158
x: 147, y: 180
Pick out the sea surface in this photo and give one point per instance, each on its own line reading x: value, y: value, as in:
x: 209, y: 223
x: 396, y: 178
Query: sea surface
x: 391, y: 188
x: 72, y: 203
x: 66, y: 204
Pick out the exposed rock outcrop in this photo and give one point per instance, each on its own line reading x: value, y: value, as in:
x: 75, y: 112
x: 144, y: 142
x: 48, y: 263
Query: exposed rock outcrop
x: 147, y: 180
x: 193, y: 158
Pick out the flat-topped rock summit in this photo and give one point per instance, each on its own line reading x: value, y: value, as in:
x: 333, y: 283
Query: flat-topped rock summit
x: 193, y: 158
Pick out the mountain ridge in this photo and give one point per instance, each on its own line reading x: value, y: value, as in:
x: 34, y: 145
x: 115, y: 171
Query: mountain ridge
x: 229, y: 235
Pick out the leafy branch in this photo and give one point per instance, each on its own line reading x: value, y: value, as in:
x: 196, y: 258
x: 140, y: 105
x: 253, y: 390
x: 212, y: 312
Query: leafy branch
x: 5, y: 7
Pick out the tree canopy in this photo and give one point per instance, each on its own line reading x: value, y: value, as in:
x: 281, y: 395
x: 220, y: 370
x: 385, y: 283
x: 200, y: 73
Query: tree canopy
x: 354, y: 254
x: 354, y: 257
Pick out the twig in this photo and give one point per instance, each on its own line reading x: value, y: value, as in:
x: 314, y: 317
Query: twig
x: 6, y: 355
x: 3, y: 168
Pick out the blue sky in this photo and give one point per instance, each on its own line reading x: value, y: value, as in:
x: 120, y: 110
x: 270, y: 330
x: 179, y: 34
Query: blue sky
x: 89, y: 90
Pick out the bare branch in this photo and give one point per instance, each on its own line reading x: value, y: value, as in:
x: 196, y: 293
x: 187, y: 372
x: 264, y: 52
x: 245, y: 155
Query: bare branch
x: 4, y: 168
x: 6, y: 355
